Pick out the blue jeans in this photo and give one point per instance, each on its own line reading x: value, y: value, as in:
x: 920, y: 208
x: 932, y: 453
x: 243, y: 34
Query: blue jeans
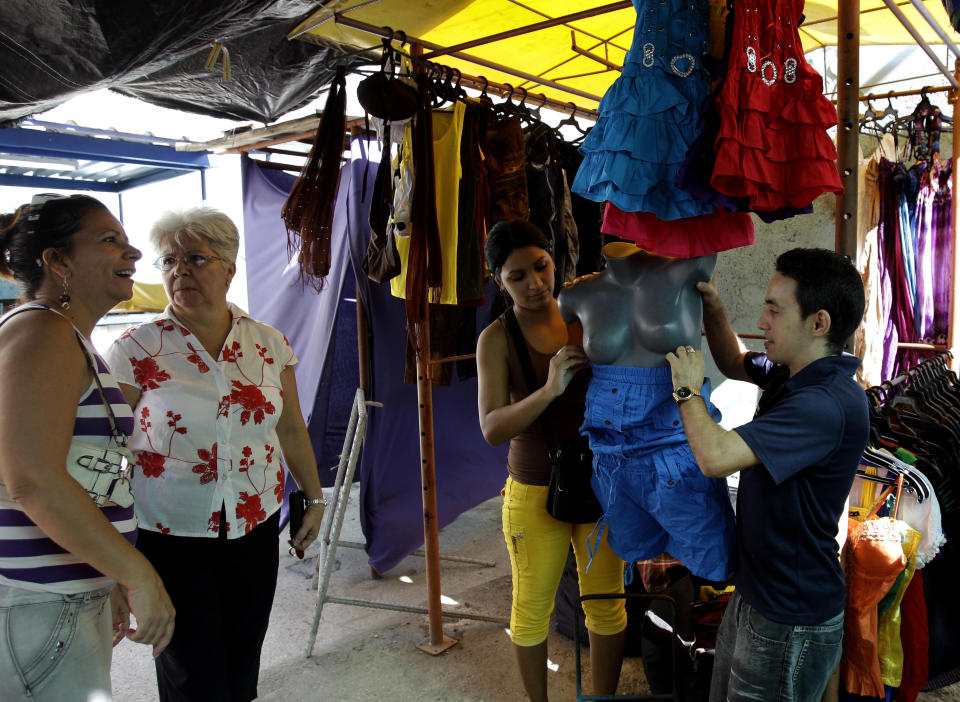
x: 765, y: 661
x: 55, y: 647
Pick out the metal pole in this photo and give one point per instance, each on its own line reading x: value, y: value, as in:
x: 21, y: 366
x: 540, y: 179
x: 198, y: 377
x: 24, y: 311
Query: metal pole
x: 380, y: 31
x: 920, y: 42
x: 546, y: 24
x: 416, y: 610
x: 935, y: 26
x: 848, y: 108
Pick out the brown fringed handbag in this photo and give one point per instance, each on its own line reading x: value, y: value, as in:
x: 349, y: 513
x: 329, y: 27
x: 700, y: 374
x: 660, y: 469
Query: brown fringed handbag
x: 308, y: 211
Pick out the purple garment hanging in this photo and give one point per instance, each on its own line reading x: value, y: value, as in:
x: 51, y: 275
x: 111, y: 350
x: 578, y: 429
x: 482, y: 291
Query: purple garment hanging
x: 942, y: 254
x: 888, y: 241
x: 924, y: 236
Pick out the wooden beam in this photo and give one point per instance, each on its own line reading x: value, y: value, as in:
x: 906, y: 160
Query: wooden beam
x: 848, y: 109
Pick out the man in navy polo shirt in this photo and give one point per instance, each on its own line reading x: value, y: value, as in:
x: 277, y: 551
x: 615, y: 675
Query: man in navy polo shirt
x: 781, y: 633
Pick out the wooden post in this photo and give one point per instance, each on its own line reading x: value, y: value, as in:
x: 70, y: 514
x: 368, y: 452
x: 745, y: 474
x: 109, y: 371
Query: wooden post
x: 428, y: 476
x: 848, y: 112
x: 363, y: 344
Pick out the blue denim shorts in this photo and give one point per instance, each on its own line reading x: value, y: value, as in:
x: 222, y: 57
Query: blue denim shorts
x: 56, y: 647
x: 655, y: 497
x: 760, y: 659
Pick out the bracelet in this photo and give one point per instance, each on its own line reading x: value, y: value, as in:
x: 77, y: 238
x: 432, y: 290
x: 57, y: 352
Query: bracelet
x: 317, y: 501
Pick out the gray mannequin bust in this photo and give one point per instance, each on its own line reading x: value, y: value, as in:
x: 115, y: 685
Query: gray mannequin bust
x: 638, y: 308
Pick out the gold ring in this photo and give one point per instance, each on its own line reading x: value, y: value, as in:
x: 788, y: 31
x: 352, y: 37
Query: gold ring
x: 690, y: 349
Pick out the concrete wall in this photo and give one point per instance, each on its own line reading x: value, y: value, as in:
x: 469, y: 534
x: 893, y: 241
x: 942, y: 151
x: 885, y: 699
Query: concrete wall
x: 741, y: 278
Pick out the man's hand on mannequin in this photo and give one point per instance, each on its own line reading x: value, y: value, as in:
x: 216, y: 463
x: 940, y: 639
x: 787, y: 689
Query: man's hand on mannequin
x: 718, y: 452
x: 725, y: 347
x: 686, y: 368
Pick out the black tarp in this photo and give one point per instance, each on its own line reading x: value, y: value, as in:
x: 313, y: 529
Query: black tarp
x: 155, y: 50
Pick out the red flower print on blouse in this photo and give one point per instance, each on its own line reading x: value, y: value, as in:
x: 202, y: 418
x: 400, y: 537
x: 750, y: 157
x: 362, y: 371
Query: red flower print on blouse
x: 263, y: 351
x: 208, y: 469
x: 246, y: 462
x: 162, y: 529
x: 278, y: 488
x: 231, y: 354
x: 249, y: 509
x: 250, y: 398
x: 173, y: 420
x: 213, y: 524
x: 196, y: 360
x: 151, y: 464
x: 147, y: 373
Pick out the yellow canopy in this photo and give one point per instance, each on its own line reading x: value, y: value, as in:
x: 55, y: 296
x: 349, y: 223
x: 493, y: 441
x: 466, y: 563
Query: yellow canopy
x: 548, y: 53
x: 147, y: 297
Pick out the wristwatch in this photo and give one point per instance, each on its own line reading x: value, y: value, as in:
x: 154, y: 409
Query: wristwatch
x: 684, y: 393
x: 317, y: 501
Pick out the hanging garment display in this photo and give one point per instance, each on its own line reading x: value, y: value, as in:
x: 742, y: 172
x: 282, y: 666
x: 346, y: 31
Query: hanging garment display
x: 875, y: 559
x: 696, y: 171
x: 447, y: 128
x: 689, y: 237
x: 773, y: 146
x: 648, y: 117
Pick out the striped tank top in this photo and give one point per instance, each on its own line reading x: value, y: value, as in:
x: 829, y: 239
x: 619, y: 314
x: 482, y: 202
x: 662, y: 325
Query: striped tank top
x: 28, y: 558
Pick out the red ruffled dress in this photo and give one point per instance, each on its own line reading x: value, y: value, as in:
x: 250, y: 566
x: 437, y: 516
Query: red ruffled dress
x: 773, y: 146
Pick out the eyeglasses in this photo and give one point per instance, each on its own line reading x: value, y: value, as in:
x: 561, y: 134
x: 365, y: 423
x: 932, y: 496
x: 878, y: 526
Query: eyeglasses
x: 168, y: 263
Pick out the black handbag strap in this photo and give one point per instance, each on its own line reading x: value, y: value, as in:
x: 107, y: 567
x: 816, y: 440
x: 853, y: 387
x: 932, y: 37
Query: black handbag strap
x: 523, y: 354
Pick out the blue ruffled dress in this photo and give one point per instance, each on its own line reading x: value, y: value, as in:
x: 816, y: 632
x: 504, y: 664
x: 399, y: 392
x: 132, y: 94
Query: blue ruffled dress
x: 648, y: 117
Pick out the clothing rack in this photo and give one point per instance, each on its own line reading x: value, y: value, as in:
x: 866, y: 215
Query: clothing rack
x: 387, y: 32
x: 438, y: 642
x: 848, y: 100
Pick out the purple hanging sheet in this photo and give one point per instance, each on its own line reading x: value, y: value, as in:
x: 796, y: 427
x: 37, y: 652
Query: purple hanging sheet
x: 273, y: 287
x: 307, y: 318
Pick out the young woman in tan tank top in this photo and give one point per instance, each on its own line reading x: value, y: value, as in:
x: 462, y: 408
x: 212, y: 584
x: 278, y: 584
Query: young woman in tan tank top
x: 518, y: 255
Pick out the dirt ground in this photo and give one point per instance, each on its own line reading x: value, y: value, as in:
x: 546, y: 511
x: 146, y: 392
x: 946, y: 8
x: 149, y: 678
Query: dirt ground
x: 366, y: 655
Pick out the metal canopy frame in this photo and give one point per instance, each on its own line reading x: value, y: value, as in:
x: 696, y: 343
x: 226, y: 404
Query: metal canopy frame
x: 71, y: 157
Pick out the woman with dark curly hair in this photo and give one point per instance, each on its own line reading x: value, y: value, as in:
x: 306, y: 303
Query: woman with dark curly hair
x: 65, y: 503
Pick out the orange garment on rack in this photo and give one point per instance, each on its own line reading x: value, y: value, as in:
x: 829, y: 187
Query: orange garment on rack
x: 874, y: 560
x: 890, y: 646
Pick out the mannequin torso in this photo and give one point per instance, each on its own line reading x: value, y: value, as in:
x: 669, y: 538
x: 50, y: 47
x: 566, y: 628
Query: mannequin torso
x: 638, y: 308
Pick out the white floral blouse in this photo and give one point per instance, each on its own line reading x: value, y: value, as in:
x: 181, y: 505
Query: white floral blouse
x: 205, y: 434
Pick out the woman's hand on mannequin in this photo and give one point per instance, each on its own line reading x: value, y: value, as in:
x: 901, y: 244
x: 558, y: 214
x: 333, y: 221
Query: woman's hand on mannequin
x: 563, y: 366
